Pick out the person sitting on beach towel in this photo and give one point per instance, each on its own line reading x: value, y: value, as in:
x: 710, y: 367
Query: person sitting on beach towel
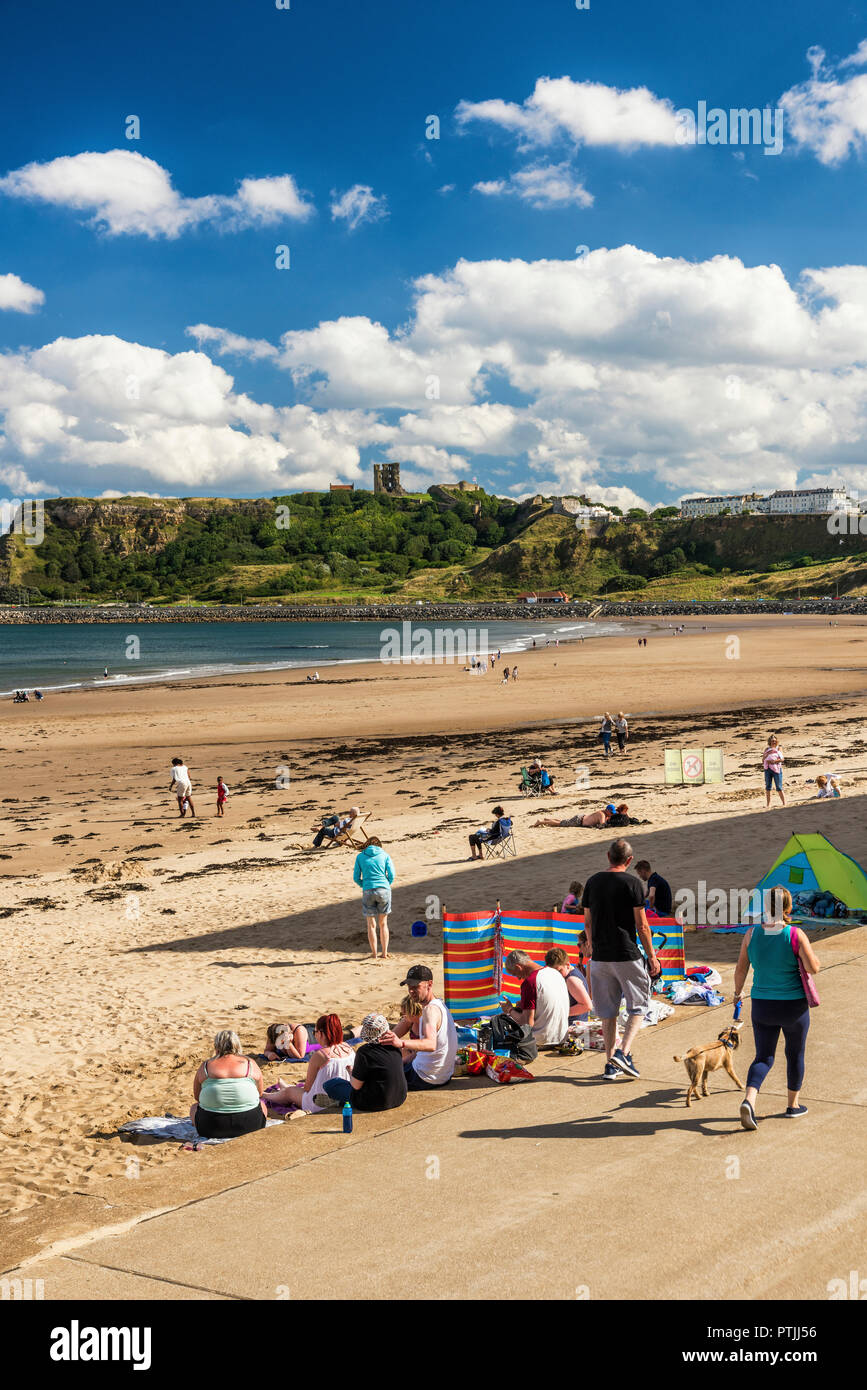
x: 592, y: 820
x: 333, y: 1061
x: 377, y: 1081
x: 228, y: 1089
x: 336, y: 826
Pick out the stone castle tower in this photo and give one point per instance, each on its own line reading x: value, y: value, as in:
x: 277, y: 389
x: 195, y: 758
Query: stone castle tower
x: 386, y: 478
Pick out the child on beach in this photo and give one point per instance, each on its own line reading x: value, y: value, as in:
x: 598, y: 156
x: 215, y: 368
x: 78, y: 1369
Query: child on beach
x: 182, y: 786
x: 222, y: 795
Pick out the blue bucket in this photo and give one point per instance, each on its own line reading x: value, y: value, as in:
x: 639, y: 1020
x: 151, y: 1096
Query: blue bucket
x: 419, y: 928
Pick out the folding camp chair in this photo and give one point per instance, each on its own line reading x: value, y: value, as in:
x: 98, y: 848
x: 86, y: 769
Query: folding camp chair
x: 528, y: 787
x: 501, y: 848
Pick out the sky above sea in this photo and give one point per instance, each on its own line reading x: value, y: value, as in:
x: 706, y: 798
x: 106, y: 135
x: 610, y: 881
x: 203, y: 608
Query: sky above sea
x: 248, y: 250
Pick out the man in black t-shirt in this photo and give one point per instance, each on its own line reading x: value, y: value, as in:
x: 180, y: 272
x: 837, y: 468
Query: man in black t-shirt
x: 613, y: 903
x: 658, y: 889
x: 377, y: 1081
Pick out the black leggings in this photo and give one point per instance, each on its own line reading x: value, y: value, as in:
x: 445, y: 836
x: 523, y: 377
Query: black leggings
x: 768, y: 1017
x: 221, y: 1124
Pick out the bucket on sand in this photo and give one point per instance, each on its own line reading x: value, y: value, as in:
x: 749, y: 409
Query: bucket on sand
x: 419, y: 928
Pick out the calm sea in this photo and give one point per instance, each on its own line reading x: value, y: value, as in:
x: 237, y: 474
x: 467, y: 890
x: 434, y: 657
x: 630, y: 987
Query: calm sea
x: 61, y: 656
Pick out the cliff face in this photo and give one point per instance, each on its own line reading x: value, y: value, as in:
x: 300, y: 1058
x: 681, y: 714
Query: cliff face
x: 142, y: 524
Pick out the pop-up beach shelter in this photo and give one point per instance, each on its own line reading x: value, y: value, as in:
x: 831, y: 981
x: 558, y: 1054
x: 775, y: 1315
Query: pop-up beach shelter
x: 811, y: 862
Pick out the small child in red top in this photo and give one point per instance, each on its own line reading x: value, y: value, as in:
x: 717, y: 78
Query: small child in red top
x: 222, y: 795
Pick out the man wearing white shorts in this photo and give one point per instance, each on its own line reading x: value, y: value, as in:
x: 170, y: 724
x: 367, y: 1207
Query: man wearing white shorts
x: 614, y: 921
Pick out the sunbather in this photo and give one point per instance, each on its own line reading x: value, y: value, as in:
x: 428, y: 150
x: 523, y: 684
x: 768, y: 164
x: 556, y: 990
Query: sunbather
x: 333, y: 1061
x: 330, y: 832
x: 227, y: 1089
x: 592, y: 820
x: 286, y: 1040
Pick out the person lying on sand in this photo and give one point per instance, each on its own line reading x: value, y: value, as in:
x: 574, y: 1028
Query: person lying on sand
x: 332, y: 1062
x: 286, y: 1040
x: 591, y: 820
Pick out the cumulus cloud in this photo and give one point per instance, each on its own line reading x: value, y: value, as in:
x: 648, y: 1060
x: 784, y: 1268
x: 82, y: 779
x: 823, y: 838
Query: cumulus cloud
x: 358, y: 204
x: 542, y: 186
x: 17, y: 295
x: 587, y: 113
x: 633, y: 377
x: 827, y: 114
x: 127, y: 194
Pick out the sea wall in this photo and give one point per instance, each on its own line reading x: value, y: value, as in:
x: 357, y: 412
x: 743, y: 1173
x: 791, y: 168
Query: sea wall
x: 425, y: 613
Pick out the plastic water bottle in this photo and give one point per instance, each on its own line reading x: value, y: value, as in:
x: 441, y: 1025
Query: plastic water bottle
x: 347, y: 1118
x: 738, y: 1003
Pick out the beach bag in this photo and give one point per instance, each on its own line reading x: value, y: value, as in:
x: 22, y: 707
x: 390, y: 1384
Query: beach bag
x: 806, y: 978
x: 515, y: 1038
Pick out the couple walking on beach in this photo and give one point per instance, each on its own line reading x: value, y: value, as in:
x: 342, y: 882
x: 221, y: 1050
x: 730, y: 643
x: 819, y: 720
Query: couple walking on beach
x: 618, y: 727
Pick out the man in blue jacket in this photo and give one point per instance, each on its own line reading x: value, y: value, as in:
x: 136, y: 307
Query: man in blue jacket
x: 374, y: 874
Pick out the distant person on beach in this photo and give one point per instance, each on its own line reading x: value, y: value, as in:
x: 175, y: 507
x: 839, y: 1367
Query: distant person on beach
x: 222, y: 795
x: 429, y: 1059
x: 505, y: 675
x: 605, y: 731
x: 591, y: 820
x: 377, y: 1080
x: 826, y: 786
x: 498, y: 830
x: 228, y: 1090
x: 614, y: 921
x: 772, y: 762
x: 777, y: 1002
x: 182, y: 786
x: 105, y: 674
x: 374, y: 874
x: 340, y: 823
x: 332, y: 1062
x: 544, y: 1001
x: 37, y: 695
x: 621, y: 730
x: 658, y: 889
x: 514, y: 673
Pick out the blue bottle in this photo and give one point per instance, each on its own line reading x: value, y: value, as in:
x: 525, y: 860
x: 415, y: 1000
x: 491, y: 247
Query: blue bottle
x: 347, y: 1118
x: 738, y: 1003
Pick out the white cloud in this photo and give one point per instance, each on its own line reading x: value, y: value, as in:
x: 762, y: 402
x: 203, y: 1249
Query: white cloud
x: 17, y: 295
x: 622, y: 374
x: 358, y: 204
x: 827, y: 113
x: 125, y: 193
x: 541, y: 185
x: 588, y: 113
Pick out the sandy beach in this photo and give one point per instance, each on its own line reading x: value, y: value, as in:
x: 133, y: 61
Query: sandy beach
x: 131, y: 936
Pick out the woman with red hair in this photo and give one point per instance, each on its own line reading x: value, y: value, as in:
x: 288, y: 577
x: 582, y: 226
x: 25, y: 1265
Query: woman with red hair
x: 332, y: 1062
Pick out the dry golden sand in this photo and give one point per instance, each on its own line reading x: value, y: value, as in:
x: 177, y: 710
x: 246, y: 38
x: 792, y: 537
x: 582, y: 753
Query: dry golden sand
x: 130, y: 936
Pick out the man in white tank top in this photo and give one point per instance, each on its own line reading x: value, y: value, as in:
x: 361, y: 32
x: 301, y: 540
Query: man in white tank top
x: 429, y: 1059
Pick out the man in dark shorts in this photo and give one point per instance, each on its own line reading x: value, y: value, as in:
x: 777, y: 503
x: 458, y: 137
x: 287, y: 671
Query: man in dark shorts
x: 614, y: 919
x: 658, y: 889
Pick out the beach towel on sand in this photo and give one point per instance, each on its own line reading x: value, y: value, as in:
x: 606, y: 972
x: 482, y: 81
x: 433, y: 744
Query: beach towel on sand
x: 177, y: 1127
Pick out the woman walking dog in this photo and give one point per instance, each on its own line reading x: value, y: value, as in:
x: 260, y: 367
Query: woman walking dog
x: 778, y: 1001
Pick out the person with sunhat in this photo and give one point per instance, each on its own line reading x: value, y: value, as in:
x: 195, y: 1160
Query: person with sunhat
x: 429, y: 1059
x: 377, y: 1080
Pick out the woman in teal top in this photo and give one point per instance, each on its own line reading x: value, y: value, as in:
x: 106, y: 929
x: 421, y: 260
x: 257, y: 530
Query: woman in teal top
x: 228, y: 1091
x: 777, y: 1001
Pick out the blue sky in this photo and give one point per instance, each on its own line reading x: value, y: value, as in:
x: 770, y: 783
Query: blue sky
x: 460, y: 329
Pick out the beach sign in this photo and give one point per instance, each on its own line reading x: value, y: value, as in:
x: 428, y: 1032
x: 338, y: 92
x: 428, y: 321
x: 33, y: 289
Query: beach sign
x: 693, y: 766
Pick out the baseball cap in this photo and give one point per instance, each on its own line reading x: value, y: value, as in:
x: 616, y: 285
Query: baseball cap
x: 611, y: 807
x: 417, y: 973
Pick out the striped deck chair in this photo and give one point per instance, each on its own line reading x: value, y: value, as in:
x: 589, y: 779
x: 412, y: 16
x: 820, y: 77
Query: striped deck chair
x: 354, y: 834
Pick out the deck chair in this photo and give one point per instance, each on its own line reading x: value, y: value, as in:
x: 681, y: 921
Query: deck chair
x: 528, y: 787
x: 501, y: 848
x: 354, y: 834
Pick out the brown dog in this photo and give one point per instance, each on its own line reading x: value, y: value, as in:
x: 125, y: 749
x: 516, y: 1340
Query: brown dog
x: 701, y: 1060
